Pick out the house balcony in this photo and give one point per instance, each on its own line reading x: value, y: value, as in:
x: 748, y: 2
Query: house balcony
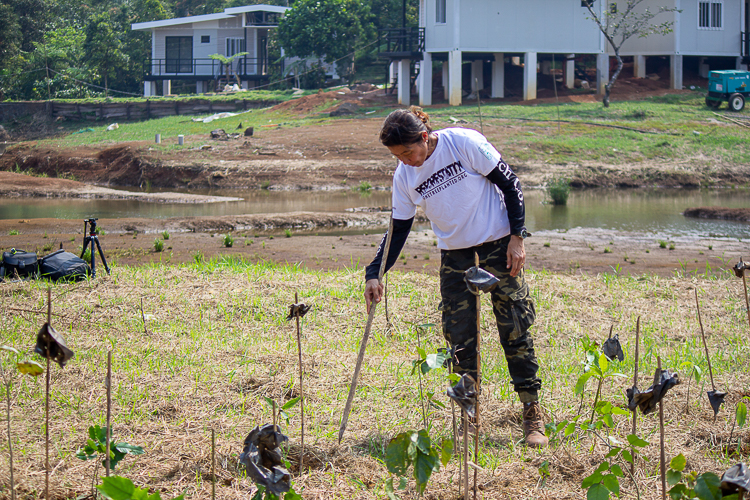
x: 401, y: 43
x: 246, y: 68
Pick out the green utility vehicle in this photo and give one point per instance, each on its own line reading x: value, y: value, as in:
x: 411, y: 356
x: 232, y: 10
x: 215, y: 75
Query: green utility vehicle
x: 732, y: 86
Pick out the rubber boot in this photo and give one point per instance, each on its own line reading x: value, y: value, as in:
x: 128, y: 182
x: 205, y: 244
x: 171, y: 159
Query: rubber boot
x: 533, y: 427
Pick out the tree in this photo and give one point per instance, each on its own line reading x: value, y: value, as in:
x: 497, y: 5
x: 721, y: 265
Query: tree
x: 620, y: 24
x: 10, y: 34
x: 327, y: 29
x: 227, y: 63
x: 103, y: 47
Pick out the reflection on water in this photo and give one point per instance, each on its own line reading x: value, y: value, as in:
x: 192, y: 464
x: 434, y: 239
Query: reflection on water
x: 657, y: 211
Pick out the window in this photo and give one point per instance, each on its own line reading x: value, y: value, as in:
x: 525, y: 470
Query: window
x: 205, y: 38
x: 179, y: 54
x: 710, y: 15
x: 235, y: 46
x: 440, y: 11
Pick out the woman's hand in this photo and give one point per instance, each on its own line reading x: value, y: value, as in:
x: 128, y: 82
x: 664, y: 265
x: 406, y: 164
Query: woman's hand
x: 373, y: 292
x: 516, y: 256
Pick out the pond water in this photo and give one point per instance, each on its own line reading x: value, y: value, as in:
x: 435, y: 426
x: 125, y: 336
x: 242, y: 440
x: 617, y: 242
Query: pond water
x: 657, y: 211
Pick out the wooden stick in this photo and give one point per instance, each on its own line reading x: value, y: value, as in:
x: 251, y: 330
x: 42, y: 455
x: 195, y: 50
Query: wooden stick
x: 479, y: 374
x: 703, y: 335
x: 143, y: 317
x: 635, y: 383
x: 213, y: 464
x: 662, y: 460
x: 465, y: 419
x: 46, y: 398
x: 10, y: 439
x: 747, y: 301
x: 301, y: 392
x: 109, y: 409
x: 455, y: 427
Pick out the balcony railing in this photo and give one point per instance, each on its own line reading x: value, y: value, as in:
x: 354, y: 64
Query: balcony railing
x: 401, y: 42
x: 208, y: 68
x: 745, y: 46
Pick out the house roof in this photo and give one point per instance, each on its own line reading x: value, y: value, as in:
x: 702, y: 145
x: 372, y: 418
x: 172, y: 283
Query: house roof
x: 227, y: 14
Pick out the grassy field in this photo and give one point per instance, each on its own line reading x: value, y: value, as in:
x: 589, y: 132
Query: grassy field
x: 215, y: 343
x: 677, y: 129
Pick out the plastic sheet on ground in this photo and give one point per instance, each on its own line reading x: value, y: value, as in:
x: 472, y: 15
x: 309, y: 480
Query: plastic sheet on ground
x: 735, y: 478
x: 51, y: 345
x: 613, y: 349
x: 297, y: 311
x: 715, y: 399
x: 263, y: 461
x: 465, y: 394
x: 478, y: 280
x: 648, y: 399
x: 217, y: 116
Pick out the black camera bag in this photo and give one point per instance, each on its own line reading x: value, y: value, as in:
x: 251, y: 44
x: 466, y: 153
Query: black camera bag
x: 61, y: 265
x: 18, y: 263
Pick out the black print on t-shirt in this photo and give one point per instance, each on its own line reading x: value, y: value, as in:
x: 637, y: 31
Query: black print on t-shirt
x: 443, y: 178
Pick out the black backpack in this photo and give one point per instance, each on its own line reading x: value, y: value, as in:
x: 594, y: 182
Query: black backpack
x: 63, y: 265
x: 18, y: 263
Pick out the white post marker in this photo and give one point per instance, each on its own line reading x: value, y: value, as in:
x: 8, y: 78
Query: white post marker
x: 158, y: 139
x: 180, y: 140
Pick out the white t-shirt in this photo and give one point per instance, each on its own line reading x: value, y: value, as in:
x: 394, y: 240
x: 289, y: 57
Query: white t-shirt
x: 464, y: 207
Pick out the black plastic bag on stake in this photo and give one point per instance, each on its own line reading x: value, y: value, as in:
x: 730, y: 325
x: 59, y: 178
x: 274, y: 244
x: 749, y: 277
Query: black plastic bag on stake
x: 612, y: 348
x: 736, y: 477
x: 716, y: 398
x: 263, y: 461
x: 648, y: 399
x: 478, y: 280
x: 465, y: 394
x: 50, y: 345
x: 297, y: 310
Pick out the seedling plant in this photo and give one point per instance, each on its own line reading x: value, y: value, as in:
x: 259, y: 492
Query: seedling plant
x: 96, y: 448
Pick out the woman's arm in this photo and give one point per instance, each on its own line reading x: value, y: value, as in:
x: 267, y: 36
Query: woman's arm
x: 373, y: 288
x: 504, y: 178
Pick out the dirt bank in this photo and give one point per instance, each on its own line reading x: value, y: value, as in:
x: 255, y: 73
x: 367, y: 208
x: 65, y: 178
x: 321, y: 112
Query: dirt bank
x: 739, y: 214
x: 14, y: 185
x: 325, y: 241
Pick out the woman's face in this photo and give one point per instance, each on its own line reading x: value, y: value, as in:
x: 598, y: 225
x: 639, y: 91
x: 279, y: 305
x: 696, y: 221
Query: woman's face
x: 413, y: 155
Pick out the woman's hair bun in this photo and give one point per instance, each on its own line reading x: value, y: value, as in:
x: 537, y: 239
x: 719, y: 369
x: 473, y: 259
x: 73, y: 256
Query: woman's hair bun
x: 424, y: 117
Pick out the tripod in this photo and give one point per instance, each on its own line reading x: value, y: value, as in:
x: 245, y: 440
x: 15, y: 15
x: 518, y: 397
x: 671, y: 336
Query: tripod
x: 90, y: 239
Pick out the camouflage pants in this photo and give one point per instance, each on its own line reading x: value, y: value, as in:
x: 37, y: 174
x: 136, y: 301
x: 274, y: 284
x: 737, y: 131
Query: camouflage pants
x: 513, y: 308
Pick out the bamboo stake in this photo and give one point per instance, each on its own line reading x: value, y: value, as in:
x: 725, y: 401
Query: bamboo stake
x: 301, y: 393
x: 662, y: 460
x: 598, y: 389
x: 273, y: 409
x: 46, y: 399
x: 455, y: 428
x: 109, y: 409
x: 479, y: 374
x: 10, y: 440
x: 747, y: 301
x: 635, y: 382
x: 465, y: 419
x: 703, y: 335
x: 213, y: 464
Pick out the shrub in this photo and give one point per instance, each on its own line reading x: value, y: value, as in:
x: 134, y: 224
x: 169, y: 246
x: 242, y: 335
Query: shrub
x: 364, y: 187
x: 165, y: 235
x: 228, y: 240
x: 558, y: 190
x: 158, y: 245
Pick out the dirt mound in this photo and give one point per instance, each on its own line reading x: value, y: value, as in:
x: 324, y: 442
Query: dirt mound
x: 309, y: 103
x: 739, y: 214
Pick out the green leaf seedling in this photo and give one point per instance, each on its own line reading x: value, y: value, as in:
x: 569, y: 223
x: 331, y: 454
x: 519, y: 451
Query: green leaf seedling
x: 96, y: 448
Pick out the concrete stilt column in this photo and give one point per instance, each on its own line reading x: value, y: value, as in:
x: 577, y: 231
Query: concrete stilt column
x: 570, y: 71
x: 392, y: 73
x: 454, y: 77
x: 529, y: 76
x: 602, y: 72
x: 498, y: 75
x: 425, y: 80
x: 477, y: 75
x: 200, y: 87
x: 404, y: 81
x: 149, y: 89
x: 445, y: 80
x: 639, y: 66
x: 167, y: 87
x: 675, y: 71
x: 546, y: 67
x: 244, y: 84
